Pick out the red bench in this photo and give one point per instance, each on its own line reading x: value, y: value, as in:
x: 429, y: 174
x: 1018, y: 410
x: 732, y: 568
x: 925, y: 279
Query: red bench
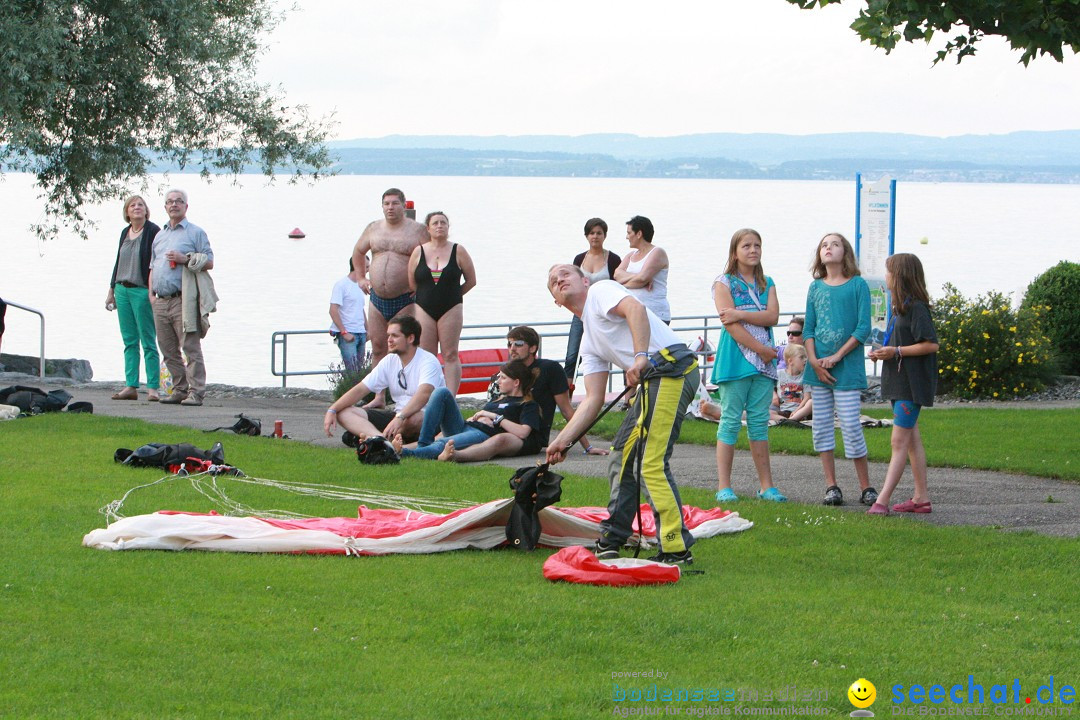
x: 485, y: 363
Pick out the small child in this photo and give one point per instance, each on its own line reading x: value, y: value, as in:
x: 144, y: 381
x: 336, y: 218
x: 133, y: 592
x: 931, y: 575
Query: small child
x: 791, y: 399
x: 837, y: 327
x: 908, y: 378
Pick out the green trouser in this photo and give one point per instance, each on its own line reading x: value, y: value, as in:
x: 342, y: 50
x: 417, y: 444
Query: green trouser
x: 137, y: 328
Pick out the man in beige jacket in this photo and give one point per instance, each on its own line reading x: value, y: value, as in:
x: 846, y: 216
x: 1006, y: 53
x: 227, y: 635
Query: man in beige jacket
x: 180, y: 247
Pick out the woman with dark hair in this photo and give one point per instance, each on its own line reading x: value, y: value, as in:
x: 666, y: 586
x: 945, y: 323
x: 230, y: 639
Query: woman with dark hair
x: 514, y: 413
x: 597, y: 264
x: 440, y: 272
x: 129, y: 295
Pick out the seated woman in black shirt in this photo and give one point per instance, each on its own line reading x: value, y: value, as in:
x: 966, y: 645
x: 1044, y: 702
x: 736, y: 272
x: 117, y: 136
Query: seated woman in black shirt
x: 514, y: 412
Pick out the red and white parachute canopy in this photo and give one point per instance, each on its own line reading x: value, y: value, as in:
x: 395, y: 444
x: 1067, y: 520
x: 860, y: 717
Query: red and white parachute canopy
x: 379, y: 531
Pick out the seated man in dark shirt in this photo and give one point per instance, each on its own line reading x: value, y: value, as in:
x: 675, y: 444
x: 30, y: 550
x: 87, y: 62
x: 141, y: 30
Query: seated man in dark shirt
x: 549, y: 390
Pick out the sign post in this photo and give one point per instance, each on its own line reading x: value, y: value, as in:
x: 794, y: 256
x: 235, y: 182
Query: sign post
x: 875, y: 231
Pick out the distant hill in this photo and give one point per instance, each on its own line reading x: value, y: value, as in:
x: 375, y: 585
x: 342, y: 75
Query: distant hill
x: 1057, y: 148
x: 1021, y: 157
x: 1016, y: 158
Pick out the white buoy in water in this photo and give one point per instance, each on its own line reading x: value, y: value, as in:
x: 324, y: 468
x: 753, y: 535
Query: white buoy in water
x: 924, y: 240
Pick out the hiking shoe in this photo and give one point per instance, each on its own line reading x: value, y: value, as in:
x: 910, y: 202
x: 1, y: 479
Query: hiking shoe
x: 833, y: 496
x: 726, y: 495
x: 773, y: 495
x: 678, y: 558
x: 350, y: 440
x: 869, y: 496
x: 605, y: 550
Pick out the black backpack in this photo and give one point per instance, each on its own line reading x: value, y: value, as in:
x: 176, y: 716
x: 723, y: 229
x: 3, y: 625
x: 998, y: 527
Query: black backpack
x: 377, y: 450
x: 534, y: 488
x: 160, y: 455
x: 34, y: 401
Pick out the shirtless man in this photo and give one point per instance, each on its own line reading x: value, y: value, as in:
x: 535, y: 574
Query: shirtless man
x: 391, y: 242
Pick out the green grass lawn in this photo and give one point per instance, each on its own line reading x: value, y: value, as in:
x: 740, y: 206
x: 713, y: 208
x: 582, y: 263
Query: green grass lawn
x: 810, y: 597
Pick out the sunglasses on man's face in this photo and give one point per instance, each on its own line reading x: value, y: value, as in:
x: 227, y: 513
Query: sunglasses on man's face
x: 796, y: 333
x: 515, y: 343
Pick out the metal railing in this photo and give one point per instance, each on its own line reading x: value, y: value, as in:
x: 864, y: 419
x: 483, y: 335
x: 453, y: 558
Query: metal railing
x: 41, y: 339
x: 706, y: 325
x: 280, y: 338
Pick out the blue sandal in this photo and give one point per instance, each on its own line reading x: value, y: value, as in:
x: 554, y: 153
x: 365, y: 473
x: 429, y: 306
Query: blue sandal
x: 726, y: 495
x: 772, y: 494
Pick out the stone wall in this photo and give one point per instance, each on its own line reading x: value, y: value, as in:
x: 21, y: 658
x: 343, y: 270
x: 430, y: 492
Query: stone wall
x: 75, y: 369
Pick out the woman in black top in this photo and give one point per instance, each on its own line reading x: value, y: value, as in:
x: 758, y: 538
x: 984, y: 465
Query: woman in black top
x: 514, y: 412
x: 597, y: 264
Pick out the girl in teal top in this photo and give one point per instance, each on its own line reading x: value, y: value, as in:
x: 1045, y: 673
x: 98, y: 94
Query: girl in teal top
x: 837, y: 327
x: 745, y: 365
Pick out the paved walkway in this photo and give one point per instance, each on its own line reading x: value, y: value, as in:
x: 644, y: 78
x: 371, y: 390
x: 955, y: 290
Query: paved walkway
x: 961, y: 496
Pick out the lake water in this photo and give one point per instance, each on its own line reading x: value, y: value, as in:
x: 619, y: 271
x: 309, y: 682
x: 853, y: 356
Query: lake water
x: 980, y: 237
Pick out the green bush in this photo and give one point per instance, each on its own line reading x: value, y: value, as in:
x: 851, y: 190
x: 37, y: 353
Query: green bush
x: 1058, y: 289
x: 342, y: 379
x: 988, y: 349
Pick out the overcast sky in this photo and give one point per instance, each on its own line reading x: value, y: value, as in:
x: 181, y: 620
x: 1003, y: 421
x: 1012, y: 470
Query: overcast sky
x: 488, y: 67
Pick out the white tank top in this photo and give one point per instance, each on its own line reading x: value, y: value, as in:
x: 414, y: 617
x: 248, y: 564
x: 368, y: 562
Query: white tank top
x: 655, y: 299
x: 601, y: 274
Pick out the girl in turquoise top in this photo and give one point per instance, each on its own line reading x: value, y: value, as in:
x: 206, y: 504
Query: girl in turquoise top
x: 745, y: 365
x: 837, y: 327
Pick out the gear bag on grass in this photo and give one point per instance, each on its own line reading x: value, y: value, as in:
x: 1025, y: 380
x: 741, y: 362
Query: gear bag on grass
x: 377, y: 450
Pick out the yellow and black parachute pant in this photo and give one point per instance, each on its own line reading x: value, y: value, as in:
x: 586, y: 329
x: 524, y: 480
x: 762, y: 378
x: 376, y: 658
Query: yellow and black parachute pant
x: 652, y: 424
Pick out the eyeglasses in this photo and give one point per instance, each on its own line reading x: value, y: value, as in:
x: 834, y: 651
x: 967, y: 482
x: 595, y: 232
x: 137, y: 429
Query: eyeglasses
x: 174, y: 201
x: 515, y: 343
x: 401, y: 379
x: 795, y: 333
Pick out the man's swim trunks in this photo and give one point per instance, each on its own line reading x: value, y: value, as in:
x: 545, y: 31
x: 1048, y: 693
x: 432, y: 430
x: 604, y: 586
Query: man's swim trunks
x: 390, y: 308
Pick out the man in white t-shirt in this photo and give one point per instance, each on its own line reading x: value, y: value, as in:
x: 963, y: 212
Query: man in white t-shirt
x: 410, y: 372
x: 621, y: 331
x: 347, y: 319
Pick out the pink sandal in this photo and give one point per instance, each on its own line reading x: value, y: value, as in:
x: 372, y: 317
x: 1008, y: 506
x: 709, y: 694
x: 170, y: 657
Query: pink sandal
x: 910, y: 506
x: 877, y: 509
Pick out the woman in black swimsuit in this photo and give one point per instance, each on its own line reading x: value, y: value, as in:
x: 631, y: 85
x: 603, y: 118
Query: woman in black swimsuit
x: 440, y: 272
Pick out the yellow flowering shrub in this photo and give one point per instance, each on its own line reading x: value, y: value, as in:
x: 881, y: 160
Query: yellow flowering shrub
x: 988, y: 348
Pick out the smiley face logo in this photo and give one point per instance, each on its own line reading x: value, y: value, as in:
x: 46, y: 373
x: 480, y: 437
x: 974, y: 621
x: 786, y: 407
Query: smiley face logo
x: 862, y: 693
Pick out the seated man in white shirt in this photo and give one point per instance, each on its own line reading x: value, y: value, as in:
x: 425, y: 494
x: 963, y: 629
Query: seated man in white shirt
x: 410, y: 372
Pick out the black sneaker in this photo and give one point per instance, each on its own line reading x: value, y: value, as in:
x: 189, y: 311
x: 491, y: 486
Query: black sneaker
x: 869, y: 496
x: 350, y: 440
x: 605, y: 550
x: 833, y: 496
x: 678, y: 558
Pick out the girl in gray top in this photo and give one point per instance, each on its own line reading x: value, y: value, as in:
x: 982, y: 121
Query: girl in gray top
x: 908, y: 378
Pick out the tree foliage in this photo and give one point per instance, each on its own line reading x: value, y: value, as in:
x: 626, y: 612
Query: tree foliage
x: 1037, y: 27
x: 1058, y: 290
x: 91, y: 91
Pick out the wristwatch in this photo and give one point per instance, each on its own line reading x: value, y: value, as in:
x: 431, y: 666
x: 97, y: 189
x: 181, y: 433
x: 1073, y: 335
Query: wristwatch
x: 498, y: 419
